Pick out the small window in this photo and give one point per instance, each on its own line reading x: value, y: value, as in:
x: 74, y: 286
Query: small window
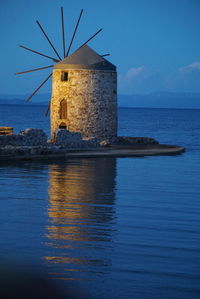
x: 64, y: 76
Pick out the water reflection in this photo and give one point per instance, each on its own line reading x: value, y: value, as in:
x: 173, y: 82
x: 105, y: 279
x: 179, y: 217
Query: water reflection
x: 81, y: 217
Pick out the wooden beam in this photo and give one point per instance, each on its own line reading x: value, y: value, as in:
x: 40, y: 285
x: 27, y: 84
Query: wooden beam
x: 23, y: 47
x: 48, y: 108
x: 74, y: 33
x: 63, y: 31
x: 28, y: 99
x: 40, y: 68
x: 105, y: 55
x: 48, y: 40
x: 89, y: 39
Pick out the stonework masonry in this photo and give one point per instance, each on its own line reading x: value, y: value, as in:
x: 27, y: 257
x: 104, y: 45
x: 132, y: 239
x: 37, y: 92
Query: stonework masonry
x: 27, y: 137
x: 68, y: 139
x: 37, y: 138
x: 90, y: 100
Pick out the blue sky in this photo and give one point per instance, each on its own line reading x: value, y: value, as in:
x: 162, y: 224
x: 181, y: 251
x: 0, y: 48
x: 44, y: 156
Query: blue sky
x: 154, y: 44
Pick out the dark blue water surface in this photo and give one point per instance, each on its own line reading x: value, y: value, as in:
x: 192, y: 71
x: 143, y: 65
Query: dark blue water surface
x: 108, y: 227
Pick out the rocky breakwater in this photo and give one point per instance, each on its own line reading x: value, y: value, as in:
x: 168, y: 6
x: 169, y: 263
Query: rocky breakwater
x: 33, y: 143
x: 125, y: 140
x: 28, y: 137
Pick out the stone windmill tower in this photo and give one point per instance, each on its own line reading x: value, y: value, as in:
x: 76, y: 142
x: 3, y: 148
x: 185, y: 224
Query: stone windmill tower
x: 84, y: 95
x: 84, y: 90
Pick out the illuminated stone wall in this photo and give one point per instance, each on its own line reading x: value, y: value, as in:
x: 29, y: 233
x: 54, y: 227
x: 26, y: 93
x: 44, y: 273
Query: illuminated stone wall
x: 91, y: 97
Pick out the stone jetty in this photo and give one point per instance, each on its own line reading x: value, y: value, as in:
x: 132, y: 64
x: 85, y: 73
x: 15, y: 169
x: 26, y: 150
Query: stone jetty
x: 33, y: 144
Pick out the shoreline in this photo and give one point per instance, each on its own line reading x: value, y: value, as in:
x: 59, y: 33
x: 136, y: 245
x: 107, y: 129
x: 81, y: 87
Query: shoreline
x: 44, y: 153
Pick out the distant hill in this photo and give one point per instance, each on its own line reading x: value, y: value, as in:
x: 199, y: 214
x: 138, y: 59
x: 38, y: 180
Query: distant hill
x: 161, y: 100
x: 151, y: 100
x: 18, y: 99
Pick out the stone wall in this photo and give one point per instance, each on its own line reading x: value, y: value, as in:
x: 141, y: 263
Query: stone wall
x: 91, y: 97
x: 38, y: 138
x: 68, y: 139
x: 28, y: 137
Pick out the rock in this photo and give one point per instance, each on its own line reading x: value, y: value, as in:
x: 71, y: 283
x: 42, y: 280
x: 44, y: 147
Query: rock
x: 28, y: 137
x: 105, y: 143
x: 68, y: 139
x: 33, y: 137
x: 125, y: 140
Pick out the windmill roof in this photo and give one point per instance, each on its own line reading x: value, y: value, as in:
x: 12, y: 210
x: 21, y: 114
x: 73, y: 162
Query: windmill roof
x: 85, y: 58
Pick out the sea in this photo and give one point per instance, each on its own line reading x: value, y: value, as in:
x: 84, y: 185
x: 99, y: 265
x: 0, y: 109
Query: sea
x: 104, y: 227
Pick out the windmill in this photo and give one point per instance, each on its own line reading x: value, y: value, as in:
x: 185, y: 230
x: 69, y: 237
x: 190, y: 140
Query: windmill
x: 91, y: 115
x: 65, y: 53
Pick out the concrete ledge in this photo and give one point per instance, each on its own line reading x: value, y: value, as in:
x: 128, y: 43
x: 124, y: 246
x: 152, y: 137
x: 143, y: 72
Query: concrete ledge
x: 112, y: 151
x: 130, y: 152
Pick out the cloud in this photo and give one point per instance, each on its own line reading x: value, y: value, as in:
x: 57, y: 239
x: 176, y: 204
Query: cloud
x: 143, y: 80
x: 133, y: 78
x: 184, y: 79
x: 140, y: 80
x: 134, y: 71
x: 195, y: 66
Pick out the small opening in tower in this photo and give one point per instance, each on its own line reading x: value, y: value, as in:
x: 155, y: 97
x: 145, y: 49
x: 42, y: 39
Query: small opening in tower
x: 64, y: 76
x: 63, y: 126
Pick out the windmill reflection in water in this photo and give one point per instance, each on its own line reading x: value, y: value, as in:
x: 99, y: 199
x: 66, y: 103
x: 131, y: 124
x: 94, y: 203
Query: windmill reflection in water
x: 82, y: 215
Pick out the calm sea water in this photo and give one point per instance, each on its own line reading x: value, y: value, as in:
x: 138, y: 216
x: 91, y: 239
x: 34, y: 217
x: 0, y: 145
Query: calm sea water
x: 107, y: 227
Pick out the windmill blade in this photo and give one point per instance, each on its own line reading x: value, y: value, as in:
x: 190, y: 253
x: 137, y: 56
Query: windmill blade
x: 63, y: 31
x: 91, y: 38
x: 38, y: 88
x: 74, y: 33
x: 48, y: 39
x: 40, y: 68
x: 55, y: 60
x: 105, y: 55
x: 48, y: 108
